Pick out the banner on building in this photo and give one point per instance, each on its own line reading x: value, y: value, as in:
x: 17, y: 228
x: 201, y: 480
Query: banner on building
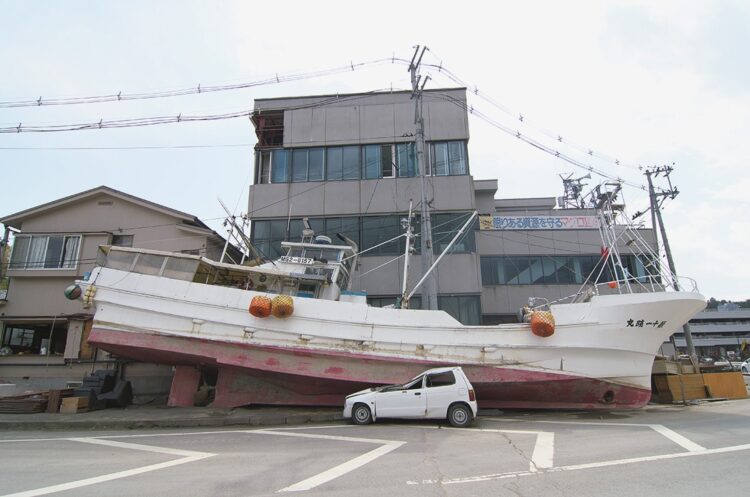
x: 538, y: 222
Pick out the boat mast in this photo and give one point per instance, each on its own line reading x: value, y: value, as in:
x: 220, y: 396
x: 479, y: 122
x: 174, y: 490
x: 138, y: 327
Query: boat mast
x: 429, y: 295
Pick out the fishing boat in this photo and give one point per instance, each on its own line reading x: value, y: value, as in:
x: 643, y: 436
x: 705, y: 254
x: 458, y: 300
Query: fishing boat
x: 291, y: 332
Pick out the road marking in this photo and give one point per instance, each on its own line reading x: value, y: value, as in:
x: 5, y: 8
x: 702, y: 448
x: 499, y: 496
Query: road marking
x: 386, y: 446
x: 188, y: 456
x: 578, y: 467
x: 672, y: 435
x: 342, y: 469
x: 544, y: 447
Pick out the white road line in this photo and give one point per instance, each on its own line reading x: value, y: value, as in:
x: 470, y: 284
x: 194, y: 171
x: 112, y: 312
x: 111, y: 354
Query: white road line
x: 544, y: 447
x: 342, y: 469
x: 189, y: 456
x: 677, y: 438
x: 672, y: 435
x: 577, y: 467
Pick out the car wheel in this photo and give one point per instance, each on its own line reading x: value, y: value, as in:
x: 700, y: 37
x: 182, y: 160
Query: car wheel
x: 459, y: 415
x: 361, y: 415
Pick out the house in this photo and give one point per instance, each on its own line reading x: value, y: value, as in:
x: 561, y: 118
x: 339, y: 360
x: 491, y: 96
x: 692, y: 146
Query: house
x: 43, y: 334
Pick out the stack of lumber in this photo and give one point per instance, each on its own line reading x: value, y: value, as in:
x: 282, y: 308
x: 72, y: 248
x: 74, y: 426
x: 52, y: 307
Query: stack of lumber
x: 675, y: 382
x: 33, y: 402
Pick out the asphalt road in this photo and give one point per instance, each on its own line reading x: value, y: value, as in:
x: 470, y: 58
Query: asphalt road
x: 686, y: 451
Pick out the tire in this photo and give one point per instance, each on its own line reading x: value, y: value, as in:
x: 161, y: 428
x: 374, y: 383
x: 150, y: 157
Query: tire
x: 459, y: 415
x: 744, y: 370
x: 361, y: 415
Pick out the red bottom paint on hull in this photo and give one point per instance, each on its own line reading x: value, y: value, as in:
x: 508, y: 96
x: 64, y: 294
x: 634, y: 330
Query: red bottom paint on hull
x: 249, y: 374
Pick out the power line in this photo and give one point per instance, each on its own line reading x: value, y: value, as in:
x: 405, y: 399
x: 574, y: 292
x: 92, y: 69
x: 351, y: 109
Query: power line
x: 523, y: 119
x: 136, y: 147
x: 199, y: 89
x: 534, y: 143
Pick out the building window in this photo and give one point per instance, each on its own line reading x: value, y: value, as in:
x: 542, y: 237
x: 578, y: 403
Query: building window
x: 45, y: 252
x: 465, y: 308
x: 357, y: 162
x: 279, y: 166
x: 448, y: 158
x: 307, y: 165
x: 445, y: 227
x: 122, y: 240
x: 555, y: 269
x: 351, y: 162
x: 264, y: 167
x: 406, y: 161
x: 380, y: 229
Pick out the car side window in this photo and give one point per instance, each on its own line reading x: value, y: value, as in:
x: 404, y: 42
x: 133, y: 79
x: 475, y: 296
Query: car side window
x: 441, y: 379
x: 416, y: 385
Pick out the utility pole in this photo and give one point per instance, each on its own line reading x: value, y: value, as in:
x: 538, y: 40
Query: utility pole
x: 429, y: 294
x: 656, y: 213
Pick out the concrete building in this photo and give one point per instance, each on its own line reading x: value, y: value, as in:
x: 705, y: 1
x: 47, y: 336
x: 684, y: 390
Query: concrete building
x: 347, y: 163
x: 720, y: 332
x: 43, y: 335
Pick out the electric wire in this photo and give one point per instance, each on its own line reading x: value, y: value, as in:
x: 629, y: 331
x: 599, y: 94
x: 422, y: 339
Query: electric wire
x: 199, y: 89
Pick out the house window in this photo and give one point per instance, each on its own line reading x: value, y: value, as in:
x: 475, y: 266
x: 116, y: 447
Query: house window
x: 122, y: 240
x: 37, y: 338
x: 45, y: 252
x: 465, y: 308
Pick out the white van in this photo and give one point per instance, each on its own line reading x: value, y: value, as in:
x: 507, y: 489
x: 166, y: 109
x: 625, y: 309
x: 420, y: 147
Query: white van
x: 435, y: 394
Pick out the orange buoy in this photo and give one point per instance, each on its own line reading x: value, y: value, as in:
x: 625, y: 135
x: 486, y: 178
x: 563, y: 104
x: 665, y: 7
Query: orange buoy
x: 260, y: 306
x: 612, y: 284
x: 542, y: 323
x: 282, y: 306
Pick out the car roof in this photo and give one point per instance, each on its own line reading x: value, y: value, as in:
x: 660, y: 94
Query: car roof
x: 439, y: 370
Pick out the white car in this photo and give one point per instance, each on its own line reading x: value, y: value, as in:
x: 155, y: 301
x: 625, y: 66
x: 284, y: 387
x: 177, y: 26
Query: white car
x: 745, y: 367
x: 435, y: 394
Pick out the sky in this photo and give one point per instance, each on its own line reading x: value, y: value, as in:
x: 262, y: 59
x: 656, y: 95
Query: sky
x: 638, y: 83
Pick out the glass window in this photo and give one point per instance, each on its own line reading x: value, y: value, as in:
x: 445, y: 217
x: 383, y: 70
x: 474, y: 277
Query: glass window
x: 456, y: 158
x: 279, y: 166
x: 334, y: 163
x: 45, y: 252
x: 351, y: 161
x: 445, y: 227
x: 439, y: 159
x: 441, y: 379
x: 315, y: 164
x: 264, y: 166
x: 465, y: 308
x: 122, y: 240
x: 386, y: 161
x: 372, y: 161
x: 405, y: 160
x: 378, y: 229
x: 448, y: 158
x: 299, y: 166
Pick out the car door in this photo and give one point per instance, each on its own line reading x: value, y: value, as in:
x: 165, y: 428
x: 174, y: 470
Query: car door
x: 441, y: 391
x: 406, y: 402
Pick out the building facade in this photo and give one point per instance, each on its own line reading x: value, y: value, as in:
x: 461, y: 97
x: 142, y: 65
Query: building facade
x: 43, y: 334
x: 347, y: 163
